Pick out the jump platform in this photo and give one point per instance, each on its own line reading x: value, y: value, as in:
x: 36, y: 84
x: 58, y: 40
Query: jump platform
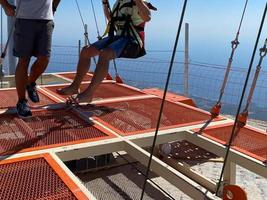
x: 120, y: 118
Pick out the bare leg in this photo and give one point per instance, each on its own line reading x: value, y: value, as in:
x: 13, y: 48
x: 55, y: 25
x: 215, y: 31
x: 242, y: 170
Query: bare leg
x: 82, y: 68
x: 38, y: 67
x: 21, y: 77
x: 100, y: 73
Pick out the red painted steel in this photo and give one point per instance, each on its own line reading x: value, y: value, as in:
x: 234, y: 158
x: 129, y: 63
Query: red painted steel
x: 8, y: 99
x: 249, y: 141
x: 139, y: 116
x: 105, y: 90
x: 71, y: 76
x: 170, y: 96
x: 32, y: 179
x: 45, y: 129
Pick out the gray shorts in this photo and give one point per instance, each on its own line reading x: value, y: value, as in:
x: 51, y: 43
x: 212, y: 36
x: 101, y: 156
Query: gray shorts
x: 32, y: 37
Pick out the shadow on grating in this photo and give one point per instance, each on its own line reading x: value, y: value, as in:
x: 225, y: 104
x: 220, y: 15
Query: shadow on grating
x: 139, y: 116
x: 58, y: 127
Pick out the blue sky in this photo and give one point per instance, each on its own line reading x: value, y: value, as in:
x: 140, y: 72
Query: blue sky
x: 213, y: 24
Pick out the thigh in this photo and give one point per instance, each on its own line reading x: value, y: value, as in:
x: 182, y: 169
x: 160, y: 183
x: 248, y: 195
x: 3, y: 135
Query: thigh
x: 119, y: 45
x: 103, y: 43
x: 43, y: 41
x: 24, y: 35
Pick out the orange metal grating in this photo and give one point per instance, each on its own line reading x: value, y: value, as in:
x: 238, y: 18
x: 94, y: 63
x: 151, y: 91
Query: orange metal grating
x: 139, y: 116
x: 248, y: 141
x: 105, y: 90
x: 32, y: 179
x: 8, y: 99
x: 87, y: 77
x: 45, y: 129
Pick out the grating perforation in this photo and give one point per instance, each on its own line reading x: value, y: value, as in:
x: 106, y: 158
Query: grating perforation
x: 32, y: 179
x: 44, y: 128
x: 251, y: 141
x: 9, y: 99
x: 142, y: 115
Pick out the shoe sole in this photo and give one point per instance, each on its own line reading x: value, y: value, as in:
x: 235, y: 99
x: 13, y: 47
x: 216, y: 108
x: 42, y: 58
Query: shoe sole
x: 23, y: 117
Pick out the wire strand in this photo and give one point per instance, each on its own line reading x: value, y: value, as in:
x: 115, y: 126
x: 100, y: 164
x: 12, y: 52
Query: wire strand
x: 241, y: 99
x: 164, y: 96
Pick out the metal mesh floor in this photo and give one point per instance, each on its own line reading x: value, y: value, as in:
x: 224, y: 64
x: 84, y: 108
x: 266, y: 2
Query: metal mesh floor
x: 139, y: 116
x: 46, y: 129
x: 71, y: 76
x: 8, y: 99
x: 105, y: 90
x: 248, y: 141
x: 32, y: 179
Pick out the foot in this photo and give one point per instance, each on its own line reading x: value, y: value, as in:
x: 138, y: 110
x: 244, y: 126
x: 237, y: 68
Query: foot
x: 69, y: 90
x: 80, y: 98
x: 32, y: 93
x: 23, y: 109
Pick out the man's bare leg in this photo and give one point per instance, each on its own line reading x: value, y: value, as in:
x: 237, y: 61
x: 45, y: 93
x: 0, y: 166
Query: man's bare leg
x: 100, y: 73
x: 21, y: 77
x: 38, y: 67
x: 82, y: 68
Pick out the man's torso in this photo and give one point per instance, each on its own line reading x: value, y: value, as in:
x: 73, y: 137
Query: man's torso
x: 35, y: 9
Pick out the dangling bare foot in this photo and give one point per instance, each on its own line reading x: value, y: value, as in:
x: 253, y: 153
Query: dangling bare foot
x: 77, y: 99
x: 69, y: 90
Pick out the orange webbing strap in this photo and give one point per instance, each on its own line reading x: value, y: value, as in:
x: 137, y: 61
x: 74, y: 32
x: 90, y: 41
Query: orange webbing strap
x: 234, y: 192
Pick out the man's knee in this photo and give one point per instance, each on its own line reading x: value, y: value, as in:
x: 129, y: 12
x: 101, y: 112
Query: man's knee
x: 88, y: 52
x: 107, y: 54
x: 43, y: 60
x: 24, y: 61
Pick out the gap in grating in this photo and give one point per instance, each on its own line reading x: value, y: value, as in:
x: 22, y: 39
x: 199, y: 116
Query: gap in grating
x: 44, y: 128
x: 32, y: 179
x: 142, y: 115
x: 249, y: 140
x: 105, y: 90
x: 8, y: 99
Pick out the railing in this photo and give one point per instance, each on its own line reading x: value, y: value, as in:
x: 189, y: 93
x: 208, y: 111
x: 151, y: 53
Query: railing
x: 205, y: 79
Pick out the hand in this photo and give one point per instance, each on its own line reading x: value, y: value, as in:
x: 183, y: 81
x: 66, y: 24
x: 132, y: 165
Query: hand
x: 9, y: 10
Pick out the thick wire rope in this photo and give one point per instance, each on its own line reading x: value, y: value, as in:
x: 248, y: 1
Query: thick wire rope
x: 83, y: 23
x: 216, y: 109
x: 241, y: 99
x: 164, y: 97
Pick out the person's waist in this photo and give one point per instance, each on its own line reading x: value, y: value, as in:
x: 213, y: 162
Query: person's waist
x: 35, y: 20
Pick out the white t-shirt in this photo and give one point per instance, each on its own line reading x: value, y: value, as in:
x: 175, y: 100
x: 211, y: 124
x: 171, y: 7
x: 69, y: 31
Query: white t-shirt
x: 35, y: 9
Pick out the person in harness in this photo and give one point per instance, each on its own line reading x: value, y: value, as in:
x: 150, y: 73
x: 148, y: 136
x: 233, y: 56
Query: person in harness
x: 126, y: 24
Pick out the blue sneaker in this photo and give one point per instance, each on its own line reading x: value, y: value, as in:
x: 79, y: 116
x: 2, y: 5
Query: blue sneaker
x: 23, y: 109
x: 32, y: 93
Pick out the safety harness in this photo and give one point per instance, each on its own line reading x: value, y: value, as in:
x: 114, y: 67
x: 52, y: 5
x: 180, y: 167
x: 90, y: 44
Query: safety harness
x: 123, y: 23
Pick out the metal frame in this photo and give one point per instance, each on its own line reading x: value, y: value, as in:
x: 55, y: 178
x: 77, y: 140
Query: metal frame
x: 180, y: 175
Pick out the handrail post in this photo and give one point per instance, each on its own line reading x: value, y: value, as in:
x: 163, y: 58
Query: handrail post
x: 186, y: 61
